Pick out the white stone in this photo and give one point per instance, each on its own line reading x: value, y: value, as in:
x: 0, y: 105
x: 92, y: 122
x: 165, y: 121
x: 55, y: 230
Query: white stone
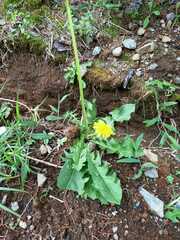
x: 115, y: 236
x: 166, y: 39
x: 14, y: 206
x: 140, y: 31
x: 23, y: 224
x: 115, y: 228
x: 41, y: 178
x: 136, y: 57
x: 116, y: 52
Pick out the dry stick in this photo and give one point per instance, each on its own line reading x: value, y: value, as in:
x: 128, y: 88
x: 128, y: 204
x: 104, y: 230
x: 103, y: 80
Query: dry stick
x: 13, y: 101
x: 55, y: 198
x: 43, y: 162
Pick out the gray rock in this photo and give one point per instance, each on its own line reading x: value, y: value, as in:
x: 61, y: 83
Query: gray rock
x: 116, y: 52
x: 14, y: 206
x: 177, y: 80
x: 152, y: 66
x: 154, y: 203
x: 96, y: 51
x: 147, y: 48
x: 129, y: 43
x: 170, y: 16
x: 151, y: 173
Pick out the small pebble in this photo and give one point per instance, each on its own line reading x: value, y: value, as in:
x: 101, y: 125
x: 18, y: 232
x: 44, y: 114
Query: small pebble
x: 140, y: 31
x: 31, y: 228
x: 96, y: 51
x: 152, y: 66
x: 116, y: 52
x: 126, y: 233
x: 14, y: 206
x: 115, y: 236
x: 177, y: 80
x: 136, y: 57
x: 41, y: 178
x: 23, y: 224
x: 166, y: 39
x: 129, y: 43
x: 29, y: 217
x: 115, y: 228
x: 139, y: 72
x: 114, y: 213
x: 170, y: 16
x: 178, y: 59
x: 151, y: 173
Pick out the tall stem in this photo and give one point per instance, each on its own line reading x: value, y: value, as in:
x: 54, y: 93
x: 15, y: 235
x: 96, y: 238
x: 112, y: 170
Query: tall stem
x: 77, y: 62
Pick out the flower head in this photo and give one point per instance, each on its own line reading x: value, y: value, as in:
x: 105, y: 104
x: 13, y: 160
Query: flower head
x: 102, y: 129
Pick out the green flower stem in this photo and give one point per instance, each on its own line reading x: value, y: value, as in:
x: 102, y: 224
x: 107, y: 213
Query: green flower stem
x: 77, y: 62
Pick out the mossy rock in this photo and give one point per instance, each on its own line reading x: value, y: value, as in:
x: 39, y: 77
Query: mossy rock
x: 103, y: 78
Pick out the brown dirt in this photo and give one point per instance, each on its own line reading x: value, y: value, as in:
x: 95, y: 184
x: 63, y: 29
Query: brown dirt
x: 75, y: 219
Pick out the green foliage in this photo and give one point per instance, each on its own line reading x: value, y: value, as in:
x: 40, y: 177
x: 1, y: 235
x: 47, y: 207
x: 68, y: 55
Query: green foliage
x: 123, y: 113
x: 173, y: 215
x: 170, y: 179
x: 42, y: 136
x: 125, y: 148
x: 13, y: 152
x: 85, y: 27
x: 169, y: 134
x: 153, y: 10
x: 173, y: 211
x: 85, y: 173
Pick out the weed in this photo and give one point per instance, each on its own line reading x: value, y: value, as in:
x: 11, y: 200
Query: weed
x: 168, y: 132
x: 153, y: 10
x: 15, y: 143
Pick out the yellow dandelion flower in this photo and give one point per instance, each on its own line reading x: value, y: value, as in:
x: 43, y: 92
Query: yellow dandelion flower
x: 102, y: 129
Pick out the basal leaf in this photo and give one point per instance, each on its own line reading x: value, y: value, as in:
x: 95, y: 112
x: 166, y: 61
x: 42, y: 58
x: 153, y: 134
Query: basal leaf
x: 78, y: 154
x: 71, y: 179
x: 123, y: 113
x: 105, y: 182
